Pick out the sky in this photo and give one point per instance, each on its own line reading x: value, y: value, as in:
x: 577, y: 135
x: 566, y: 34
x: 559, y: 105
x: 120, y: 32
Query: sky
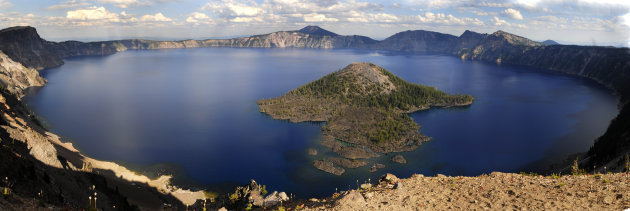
x: 583, y: 22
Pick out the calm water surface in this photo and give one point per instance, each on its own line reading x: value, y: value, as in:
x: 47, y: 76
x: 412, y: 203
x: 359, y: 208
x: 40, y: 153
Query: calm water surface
x: 192, y: 113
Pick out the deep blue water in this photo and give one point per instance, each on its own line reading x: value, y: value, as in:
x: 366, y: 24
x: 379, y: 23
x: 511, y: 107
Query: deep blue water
x: 192, y: 112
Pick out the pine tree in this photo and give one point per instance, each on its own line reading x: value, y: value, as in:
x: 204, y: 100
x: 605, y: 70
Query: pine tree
x: 575, y: 169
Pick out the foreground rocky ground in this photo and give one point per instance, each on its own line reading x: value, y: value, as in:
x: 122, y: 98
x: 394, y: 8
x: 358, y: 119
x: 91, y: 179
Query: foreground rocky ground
x: 497, y: 191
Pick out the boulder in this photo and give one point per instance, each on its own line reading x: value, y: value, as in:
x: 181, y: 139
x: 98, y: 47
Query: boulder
x: 366, y: 186
x: 311, y: 151
x: 399, y: 159
x: 388, y: 178
x: 398, y: 185
x: 351, y: 200
x: 275, y: 198
x: 256, y: 199
x: 377, y: 166
x: 283, y: 196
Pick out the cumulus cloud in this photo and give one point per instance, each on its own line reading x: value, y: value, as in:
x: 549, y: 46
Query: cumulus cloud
x: 100, y: 16
x: 197, y: 17
x: 498, y: 22
x: 441, y: 18
x: 364, y: 17
x: 126, y: 3
x: 229, y: 8
x: 291, y: 10
x: 314, y: 17
x: 5, y: 4
x: 92, y: 13
x: 512, y: 13
x: 503, y: 23
x: 68, y: 4
x: 158, y: 17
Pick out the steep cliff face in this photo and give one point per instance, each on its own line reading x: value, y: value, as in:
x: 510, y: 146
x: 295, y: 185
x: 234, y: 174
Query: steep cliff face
x: 499, y: 46
x: 22, y: 44
x: 468, y: 40
x: 608, y: 66
x: 16, y: 78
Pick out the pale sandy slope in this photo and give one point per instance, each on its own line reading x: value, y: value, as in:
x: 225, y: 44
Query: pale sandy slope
x: 497, y: 191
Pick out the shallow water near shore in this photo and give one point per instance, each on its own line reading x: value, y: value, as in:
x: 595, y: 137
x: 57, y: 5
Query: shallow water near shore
x: 193, y: 113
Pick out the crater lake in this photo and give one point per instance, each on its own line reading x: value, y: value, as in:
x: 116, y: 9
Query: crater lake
x: 192, y: 113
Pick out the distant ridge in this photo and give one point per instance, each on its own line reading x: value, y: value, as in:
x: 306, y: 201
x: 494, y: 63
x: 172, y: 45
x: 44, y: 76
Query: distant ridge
x: 316, y: 30
x: 550, y: 42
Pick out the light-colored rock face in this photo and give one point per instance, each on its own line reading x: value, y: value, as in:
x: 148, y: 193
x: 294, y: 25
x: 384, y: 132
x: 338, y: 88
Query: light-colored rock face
x: 367, y: 74
x: 515, y: 39
x: 497, y: 191
x: 16, y: 78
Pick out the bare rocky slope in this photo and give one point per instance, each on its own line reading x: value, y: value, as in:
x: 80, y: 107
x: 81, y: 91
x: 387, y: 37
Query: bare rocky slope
x: 33, y: 158
x: 496, y: 191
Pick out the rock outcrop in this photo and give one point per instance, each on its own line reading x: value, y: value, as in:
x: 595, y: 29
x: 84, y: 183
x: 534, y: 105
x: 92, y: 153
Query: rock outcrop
x: 16, y: 78
x: 347, y: 163
x: 22, y: 44
x: 328, y: 166
x: 399, y: 159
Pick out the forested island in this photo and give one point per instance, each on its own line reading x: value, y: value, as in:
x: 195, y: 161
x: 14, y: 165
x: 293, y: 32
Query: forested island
x: 365, y: 109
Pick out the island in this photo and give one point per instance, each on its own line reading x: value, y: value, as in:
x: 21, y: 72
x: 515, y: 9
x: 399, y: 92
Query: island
x: 365, y: 109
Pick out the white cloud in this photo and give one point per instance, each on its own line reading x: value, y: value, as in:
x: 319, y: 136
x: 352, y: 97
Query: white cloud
x: 229, y: 8
x: 314, y: 17
x: 197, y: 17
x: 92, y: 13
x: 295, y: 11
x: 126, y: 3
x: 5, y: 4
x: 246, y: 19
x: 365, y: 17
x: 101, y: 16
x: 441, y: 18
x: 551, y: 18
x: 68, y: 4
x: 158, y: 17
x: 480, y: 13
x: 512, y: 13
x: 498, y: 22
x: 503, y: 23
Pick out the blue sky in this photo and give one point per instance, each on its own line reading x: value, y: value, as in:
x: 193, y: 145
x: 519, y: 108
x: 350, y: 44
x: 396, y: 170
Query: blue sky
x: 587, y: 22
